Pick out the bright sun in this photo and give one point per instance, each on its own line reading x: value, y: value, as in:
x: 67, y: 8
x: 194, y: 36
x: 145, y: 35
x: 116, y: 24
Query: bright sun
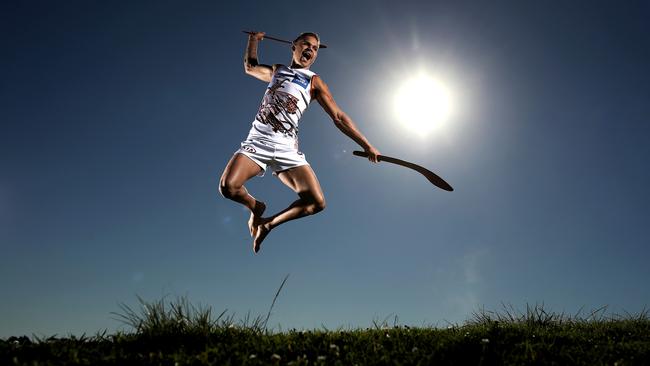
x: 422, y: 104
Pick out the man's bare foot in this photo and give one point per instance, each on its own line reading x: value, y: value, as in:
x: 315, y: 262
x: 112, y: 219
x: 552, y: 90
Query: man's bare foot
x: 256, y: 216
x: 261, y: 231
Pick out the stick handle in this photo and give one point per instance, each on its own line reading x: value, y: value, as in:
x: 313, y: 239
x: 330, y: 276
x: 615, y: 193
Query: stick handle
x: 269, y: 37
x: 280, y: 40
x: 364, y: 154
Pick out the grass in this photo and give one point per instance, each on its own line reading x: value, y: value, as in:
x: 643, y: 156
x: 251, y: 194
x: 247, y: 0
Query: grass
x: 178, y: 333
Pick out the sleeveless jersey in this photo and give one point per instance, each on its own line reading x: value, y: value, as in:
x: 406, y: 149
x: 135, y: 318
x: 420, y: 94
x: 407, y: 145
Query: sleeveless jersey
x: 285, y: 100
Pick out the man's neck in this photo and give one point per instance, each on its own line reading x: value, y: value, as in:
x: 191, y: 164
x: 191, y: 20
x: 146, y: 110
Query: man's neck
x: 296, y: 66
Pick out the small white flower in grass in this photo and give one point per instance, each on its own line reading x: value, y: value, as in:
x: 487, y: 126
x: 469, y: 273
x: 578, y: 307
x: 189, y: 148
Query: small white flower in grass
x: 275, y: 357
x: 485, y: 340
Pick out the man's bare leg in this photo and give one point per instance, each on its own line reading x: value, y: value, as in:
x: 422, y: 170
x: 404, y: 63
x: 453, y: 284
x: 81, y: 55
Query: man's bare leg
x: 303, y: 181
x: 256, y: 217
x: 240, y: 169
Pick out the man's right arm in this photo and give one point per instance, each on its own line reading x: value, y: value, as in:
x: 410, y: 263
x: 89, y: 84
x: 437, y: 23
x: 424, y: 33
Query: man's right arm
x: 251, y: 65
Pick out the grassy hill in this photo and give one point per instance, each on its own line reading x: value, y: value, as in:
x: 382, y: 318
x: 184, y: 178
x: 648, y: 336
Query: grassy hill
x: 177, y: 333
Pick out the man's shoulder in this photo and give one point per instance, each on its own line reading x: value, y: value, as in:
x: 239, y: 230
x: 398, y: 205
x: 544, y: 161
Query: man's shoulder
x: 317, y: 80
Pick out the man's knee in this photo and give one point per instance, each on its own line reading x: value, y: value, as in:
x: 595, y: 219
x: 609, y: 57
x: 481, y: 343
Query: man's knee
x: 228, y: 189
x: 318, y: 204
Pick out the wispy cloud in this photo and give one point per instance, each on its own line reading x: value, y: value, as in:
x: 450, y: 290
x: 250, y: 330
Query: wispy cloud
x: 137, y: 277
x: 471, y: 266
x: 465, y: 279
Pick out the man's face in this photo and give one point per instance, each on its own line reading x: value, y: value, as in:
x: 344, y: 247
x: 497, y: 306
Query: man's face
x: 305, y: 51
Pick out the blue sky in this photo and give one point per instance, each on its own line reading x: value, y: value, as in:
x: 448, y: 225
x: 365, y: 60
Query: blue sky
x: 118, y: 118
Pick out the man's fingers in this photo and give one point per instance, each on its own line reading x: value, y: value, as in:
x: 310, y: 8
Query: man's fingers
x: 372, y: 154
x: 257, y: 35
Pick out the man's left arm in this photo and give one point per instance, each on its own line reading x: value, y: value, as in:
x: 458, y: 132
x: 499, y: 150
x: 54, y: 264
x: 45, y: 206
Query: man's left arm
x: 341, y: 120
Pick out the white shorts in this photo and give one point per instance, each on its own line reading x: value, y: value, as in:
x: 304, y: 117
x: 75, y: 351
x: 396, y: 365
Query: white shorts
x: 278, y: 157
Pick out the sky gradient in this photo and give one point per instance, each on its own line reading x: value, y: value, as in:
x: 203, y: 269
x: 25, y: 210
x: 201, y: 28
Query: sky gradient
x: 118, y: 118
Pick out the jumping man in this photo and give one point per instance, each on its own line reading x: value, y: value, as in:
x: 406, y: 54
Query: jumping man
x: 273, y: 139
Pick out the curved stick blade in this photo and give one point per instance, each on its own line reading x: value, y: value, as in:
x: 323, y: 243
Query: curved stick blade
x: 431, y: 176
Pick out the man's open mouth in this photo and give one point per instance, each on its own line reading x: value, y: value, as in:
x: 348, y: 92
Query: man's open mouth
x: 307, y: 55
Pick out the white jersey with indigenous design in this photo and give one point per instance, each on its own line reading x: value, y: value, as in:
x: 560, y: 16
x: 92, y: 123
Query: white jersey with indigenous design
x: 285, y: 100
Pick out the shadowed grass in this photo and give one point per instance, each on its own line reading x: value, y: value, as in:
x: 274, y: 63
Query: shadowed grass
x: 178, y: 333
x: 180, y: 317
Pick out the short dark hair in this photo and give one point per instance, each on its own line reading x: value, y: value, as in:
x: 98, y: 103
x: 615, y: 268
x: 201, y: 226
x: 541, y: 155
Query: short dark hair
x: 305, y: 34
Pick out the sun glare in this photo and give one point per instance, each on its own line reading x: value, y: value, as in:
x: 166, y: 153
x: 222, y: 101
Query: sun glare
x: 422, y: 104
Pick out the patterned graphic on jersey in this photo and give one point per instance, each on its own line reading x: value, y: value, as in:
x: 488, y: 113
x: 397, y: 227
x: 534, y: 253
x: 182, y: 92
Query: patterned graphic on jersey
x: 301, y: 80
x: 275, y: 102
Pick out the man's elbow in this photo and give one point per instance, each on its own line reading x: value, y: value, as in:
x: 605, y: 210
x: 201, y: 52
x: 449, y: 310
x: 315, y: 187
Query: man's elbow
x: 248, y: 67
x: 339, y: 119
x: 338, y: 122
